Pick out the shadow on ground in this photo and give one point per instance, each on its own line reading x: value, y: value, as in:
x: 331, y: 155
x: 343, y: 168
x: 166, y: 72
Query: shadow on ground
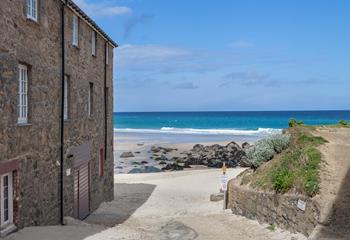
x: 127, y: 199
x: 338, y: 221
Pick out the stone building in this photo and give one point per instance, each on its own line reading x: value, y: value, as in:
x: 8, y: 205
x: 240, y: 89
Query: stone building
x: 56, y: 121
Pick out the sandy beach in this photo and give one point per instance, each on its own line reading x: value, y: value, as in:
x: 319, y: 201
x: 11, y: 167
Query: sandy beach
x: 167, y: 205
x: 143, y: 157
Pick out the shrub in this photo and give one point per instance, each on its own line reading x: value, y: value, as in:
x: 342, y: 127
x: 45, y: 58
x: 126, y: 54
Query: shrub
x: 259, y: 153
x: 294, y: 123
x: 282, y: 179
x: 344, y: 123
x: 279, y: 142
x: 265, y: 149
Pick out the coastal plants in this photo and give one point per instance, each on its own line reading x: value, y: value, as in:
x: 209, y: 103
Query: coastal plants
x: 279, y: 142
x: 259, y: 153
x: 294, y: 123
x: 344, y: 123
x: 266, y: 148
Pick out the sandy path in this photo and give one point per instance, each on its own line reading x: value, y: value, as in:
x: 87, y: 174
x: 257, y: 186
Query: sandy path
x: 334, y: 196
x: 164, y: 206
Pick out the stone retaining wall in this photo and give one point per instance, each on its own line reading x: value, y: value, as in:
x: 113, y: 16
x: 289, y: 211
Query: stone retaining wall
x: 272, y: 208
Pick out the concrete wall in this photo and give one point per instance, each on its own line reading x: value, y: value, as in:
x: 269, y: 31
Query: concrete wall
x: 272, y: 208
x: 36, y: 145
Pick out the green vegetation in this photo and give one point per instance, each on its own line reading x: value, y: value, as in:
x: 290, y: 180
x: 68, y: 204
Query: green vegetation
x: 272, y: 227
x: 265, y: 149
x: 294, y: 123
x: 344, y: 123
x: 296, y: 168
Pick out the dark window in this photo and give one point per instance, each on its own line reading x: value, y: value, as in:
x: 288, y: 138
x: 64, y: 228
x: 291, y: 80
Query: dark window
x: 91, y: 99
x: 101, y: 162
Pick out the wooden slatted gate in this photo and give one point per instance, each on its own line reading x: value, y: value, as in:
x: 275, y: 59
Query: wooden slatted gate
x: 81, y: 173
x: 82, y: 191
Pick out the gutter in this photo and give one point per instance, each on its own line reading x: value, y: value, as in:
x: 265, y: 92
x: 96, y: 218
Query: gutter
x: 105, y: 100
x: 62, y: 112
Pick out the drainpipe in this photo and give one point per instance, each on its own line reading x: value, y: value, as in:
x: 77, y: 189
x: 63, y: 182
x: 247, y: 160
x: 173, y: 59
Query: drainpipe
x: 105, y: 99
x: 62, y: 111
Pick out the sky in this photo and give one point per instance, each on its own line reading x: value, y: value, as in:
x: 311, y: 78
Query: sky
x: 227, y: 55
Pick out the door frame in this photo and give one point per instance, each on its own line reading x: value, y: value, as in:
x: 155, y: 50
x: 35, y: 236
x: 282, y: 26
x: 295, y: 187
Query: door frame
x: 10, y: 200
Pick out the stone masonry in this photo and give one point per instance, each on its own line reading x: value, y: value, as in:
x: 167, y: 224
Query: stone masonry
x: 273, y: 208
x: 32, y: 151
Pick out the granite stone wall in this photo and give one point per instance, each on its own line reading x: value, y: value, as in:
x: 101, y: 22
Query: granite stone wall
x: 36, y: 145
x: 272, y: 208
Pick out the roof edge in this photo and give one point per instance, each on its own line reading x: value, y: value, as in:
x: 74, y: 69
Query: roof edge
x: 83, y: 15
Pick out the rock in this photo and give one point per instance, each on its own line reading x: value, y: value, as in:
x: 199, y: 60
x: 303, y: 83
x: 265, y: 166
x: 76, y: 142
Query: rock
x: 162, y: 162
x: 245, y: 145
x: 146, y: 169
x: 215, y: 155
x: 137, y: 152
x: 155, y: 149
x: 144, y: 162
x: 215, y: 197
x: 198, y: 148
x: 161, y: 158
x: 173, y: 167
x: 140, y: 144
x: 244, y: 162
x: 127, y: 155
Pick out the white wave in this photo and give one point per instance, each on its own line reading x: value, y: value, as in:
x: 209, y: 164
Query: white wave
x: 233, y: 132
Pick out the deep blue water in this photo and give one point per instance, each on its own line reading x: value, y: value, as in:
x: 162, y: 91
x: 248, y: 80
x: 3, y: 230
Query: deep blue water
x: 215, y: 126
x: 224, y: 120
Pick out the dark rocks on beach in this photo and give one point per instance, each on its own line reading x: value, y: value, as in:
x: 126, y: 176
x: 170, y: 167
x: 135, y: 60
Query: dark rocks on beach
x: 215, y: 155
x: 127, y: 155
x: 137, y: 152
x: 245, y: 145
x: 161, y: 158
x: 172, y: 167
x: 144, y: 162
x: 146, y: 169
x: 164, y: 150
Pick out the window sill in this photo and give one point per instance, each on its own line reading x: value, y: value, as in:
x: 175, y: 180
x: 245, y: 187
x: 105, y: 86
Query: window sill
x: 32, y: 20
x: 7, y: 229
x: 24, y: 124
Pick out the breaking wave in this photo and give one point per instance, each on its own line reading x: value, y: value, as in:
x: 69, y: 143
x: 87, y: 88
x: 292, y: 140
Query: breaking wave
x: 232, y: 132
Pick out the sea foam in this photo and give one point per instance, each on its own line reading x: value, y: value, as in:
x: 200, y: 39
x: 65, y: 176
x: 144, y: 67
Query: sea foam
x: 232, y: 132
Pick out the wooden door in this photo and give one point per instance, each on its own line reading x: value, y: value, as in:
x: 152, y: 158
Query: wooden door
x: 82, y: 191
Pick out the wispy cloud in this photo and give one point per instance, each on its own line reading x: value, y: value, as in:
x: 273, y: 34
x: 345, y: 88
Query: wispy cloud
x: 139, y: 54
x: 248, y: 78
x: 134, y: 21
x: 186, y: 85
x: 241, y: 44
x: 103, y: 8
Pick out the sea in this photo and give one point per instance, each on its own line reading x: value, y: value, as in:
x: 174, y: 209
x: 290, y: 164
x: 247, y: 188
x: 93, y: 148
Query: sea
x: 184, y: 127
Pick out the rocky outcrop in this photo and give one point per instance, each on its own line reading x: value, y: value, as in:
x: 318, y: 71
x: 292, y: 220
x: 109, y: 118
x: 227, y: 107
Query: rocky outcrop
x: 214, y: 155
x: 127, y: 155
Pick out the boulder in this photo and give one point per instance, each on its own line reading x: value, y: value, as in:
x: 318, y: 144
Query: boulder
x: 172, y: 167
x: 146, y: 169
x: 245, y: 145
x: 127, y: 155
x: 161, y: 158
x: 215, y: 197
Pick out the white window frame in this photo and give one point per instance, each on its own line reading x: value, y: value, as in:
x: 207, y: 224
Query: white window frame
x: 23, y: 94
x: 10, y: 200
x: 107, y: 54
x: 66, y: 98
x: 91, y: 99
x: 75, y: 35
x: 32, y: 10
x: 93, y: 43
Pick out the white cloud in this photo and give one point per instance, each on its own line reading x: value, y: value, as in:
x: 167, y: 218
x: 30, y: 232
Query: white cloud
x: 241, y: 44
x: 102, y: 8
x: 138, y: 54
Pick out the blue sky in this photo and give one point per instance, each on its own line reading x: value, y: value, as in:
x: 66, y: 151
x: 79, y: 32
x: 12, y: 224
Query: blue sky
x: 188, y: 55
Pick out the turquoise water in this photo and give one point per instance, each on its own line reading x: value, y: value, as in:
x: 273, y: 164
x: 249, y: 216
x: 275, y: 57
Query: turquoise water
x: 214, y: 126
